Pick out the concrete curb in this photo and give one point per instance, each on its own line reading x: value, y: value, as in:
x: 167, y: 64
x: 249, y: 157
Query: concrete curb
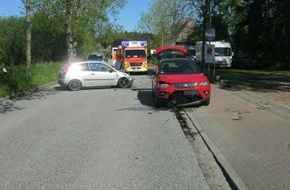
x: 231, y: 175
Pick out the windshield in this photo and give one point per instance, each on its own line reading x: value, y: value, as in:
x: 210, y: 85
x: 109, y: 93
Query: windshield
x: 222, y: 51
x: 170, y: 54
x: 191, y: 52
x: 135, y: 53
x: 178, y: 67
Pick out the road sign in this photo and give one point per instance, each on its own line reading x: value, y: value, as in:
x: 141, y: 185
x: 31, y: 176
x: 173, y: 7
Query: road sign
x: 210, y: 33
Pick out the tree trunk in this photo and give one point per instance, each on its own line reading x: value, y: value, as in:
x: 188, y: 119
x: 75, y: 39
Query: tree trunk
x: 69, y: 32
x: 28, y: 33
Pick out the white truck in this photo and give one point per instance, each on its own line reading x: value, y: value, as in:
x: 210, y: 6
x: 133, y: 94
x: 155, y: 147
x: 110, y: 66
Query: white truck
x: 216, y: 53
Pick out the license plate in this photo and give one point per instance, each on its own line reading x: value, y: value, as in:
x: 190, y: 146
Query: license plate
x: 189, y: 93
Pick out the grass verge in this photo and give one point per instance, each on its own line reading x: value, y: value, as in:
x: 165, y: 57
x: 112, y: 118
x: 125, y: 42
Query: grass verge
x: 19, y: 78
x: 252, y: 79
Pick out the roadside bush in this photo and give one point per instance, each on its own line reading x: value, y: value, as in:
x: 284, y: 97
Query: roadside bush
x: 19, y: 78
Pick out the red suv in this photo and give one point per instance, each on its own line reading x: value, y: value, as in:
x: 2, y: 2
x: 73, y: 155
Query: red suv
x: 180, y: 82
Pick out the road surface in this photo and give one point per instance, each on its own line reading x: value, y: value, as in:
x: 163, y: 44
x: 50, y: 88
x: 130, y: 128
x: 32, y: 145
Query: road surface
x: 94, y: 139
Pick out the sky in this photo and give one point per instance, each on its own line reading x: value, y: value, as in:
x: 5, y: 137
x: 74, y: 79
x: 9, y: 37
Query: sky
x: 128, y: 17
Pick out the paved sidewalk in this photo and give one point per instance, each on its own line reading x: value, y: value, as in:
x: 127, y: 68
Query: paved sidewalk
x: 254, y: 141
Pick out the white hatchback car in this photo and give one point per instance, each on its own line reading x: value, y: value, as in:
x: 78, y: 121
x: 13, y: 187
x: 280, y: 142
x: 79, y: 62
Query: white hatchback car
x: 92, y: 74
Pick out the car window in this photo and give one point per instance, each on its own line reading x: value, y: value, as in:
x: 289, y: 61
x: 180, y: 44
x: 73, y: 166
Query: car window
x: 94, y: 66
x: 78, y: 67
x: 105, y: 68
x: 95, y: 57
x: 99, y: 67
x: 135, y: 53
x: 170, y: 54
x: 83, y: 67
x: 222, y: 51
x: 178, y: 67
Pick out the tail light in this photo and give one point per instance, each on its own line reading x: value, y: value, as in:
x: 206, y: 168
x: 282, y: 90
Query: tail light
x: 66, y: 69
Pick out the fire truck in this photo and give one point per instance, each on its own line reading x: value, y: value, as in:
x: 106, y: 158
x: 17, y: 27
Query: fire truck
x: 132, y: 56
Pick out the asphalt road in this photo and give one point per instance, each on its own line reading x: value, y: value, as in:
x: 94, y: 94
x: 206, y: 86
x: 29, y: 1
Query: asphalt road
x: 94, y: 139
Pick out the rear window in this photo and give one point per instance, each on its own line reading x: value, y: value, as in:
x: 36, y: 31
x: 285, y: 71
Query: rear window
x: 95, y: 57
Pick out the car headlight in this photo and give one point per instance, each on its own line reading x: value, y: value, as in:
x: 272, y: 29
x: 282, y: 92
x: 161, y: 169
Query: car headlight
x: 204, y: 83
x: 164, y: 85
x: 126, y: 65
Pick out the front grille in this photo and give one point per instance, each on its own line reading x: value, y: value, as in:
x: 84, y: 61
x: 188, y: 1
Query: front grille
x: 185, y: 85
x: 182, y: 97
x: 136, y: 64
x: 221, y: 63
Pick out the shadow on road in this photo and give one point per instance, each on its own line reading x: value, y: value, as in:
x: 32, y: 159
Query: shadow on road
x: 8, y: 105
x: 145, y: 96
x: 257, y: 82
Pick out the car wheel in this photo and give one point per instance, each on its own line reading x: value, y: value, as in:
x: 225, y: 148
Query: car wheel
x: 74, y: 85
x: 123, y: 83
x: 158, y: 102
x: 153, y: 94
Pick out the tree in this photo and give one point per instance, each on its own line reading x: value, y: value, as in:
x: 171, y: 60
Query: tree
x: 201, y: 11
x: 259, y: 28
x: 49, y: 38
x: 164, y: 20
x: 80, y: 13
x: 12, y: 40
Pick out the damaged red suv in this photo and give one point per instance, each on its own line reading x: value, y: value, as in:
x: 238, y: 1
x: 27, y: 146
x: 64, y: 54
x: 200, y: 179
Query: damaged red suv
x: 180, y: 82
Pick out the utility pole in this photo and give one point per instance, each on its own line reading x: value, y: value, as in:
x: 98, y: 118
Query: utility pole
x: 204, y: 12
x: 209, y: 12
x: 204, y: 7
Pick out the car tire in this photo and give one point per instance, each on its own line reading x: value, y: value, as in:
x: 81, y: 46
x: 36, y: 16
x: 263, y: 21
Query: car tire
x: 74, y: 85
x: 123, y: 83
x: 153, y: 94
x: 158, y: 102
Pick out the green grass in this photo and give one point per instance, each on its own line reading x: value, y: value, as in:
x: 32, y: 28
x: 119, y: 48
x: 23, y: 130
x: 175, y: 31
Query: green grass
x: 253, y: 79
x: 19, y: 78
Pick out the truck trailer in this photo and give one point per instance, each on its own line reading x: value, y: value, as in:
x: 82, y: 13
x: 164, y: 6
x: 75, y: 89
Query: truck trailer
x: 216, y: 53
